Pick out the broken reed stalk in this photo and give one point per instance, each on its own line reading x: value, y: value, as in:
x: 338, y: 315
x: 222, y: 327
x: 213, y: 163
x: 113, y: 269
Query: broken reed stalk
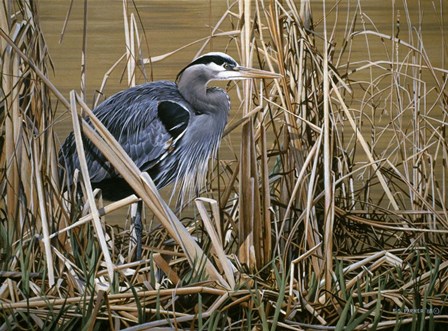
x: 88, y: 188
x: 216, y: 240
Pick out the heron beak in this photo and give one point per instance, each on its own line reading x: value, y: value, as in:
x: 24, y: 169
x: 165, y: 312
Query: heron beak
x: 244, y: 72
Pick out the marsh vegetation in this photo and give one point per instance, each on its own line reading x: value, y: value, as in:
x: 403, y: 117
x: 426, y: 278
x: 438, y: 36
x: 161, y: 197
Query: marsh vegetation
x: 330, y: 215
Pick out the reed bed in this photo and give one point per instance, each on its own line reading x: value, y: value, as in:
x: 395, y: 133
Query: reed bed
x: 333, y: 215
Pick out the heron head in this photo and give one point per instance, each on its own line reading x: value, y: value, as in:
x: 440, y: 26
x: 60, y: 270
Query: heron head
x: 220, y: 66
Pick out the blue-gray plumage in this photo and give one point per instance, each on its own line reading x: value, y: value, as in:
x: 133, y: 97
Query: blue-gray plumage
x: 169, y: 130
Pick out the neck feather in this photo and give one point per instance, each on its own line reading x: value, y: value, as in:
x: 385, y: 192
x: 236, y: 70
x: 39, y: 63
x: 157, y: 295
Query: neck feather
x: 202, y: 98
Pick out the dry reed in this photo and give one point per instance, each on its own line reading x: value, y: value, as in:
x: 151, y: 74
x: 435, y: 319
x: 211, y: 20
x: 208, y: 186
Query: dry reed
x: 332, y: 217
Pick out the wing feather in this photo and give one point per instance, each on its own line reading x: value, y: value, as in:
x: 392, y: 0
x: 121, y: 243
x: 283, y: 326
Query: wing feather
x: 147, y: 120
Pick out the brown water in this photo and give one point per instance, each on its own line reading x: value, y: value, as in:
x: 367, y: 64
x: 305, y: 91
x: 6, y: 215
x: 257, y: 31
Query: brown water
x: 169, y: 25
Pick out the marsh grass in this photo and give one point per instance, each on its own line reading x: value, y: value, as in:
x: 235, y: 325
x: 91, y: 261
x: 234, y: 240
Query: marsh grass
x: 333, y: 216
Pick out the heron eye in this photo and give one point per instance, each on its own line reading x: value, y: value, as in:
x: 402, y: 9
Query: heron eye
x: 227, y: 66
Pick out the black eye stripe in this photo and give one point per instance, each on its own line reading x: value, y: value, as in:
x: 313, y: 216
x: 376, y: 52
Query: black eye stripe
x: 206, y: 59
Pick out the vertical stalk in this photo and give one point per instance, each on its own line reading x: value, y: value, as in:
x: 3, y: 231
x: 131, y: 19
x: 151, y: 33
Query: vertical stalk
x: 43, y: 214
x: 328, y: 180
x: 250, y: 223
x: 84, y: 55
x: 266, y: 199
x: 130, y: 45
x: 12, y: 125
x: 245, y: 188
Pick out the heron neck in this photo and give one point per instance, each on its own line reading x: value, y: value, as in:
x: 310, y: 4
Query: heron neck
x: 204, y: 99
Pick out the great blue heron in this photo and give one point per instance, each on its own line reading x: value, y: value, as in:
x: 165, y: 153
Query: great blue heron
x: 170, y: 130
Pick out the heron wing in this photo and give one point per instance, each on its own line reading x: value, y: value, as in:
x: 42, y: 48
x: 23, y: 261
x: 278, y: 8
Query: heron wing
x: 151, y: 143
x: 147, y: 121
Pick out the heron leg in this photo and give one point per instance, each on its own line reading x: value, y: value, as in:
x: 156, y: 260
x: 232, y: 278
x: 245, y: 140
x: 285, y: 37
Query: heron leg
x: 138, y: 226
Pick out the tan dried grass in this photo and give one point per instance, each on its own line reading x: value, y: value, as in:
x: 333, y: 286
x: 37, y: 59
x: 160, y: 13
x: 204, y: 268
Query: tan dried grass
x: 333, y: 216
